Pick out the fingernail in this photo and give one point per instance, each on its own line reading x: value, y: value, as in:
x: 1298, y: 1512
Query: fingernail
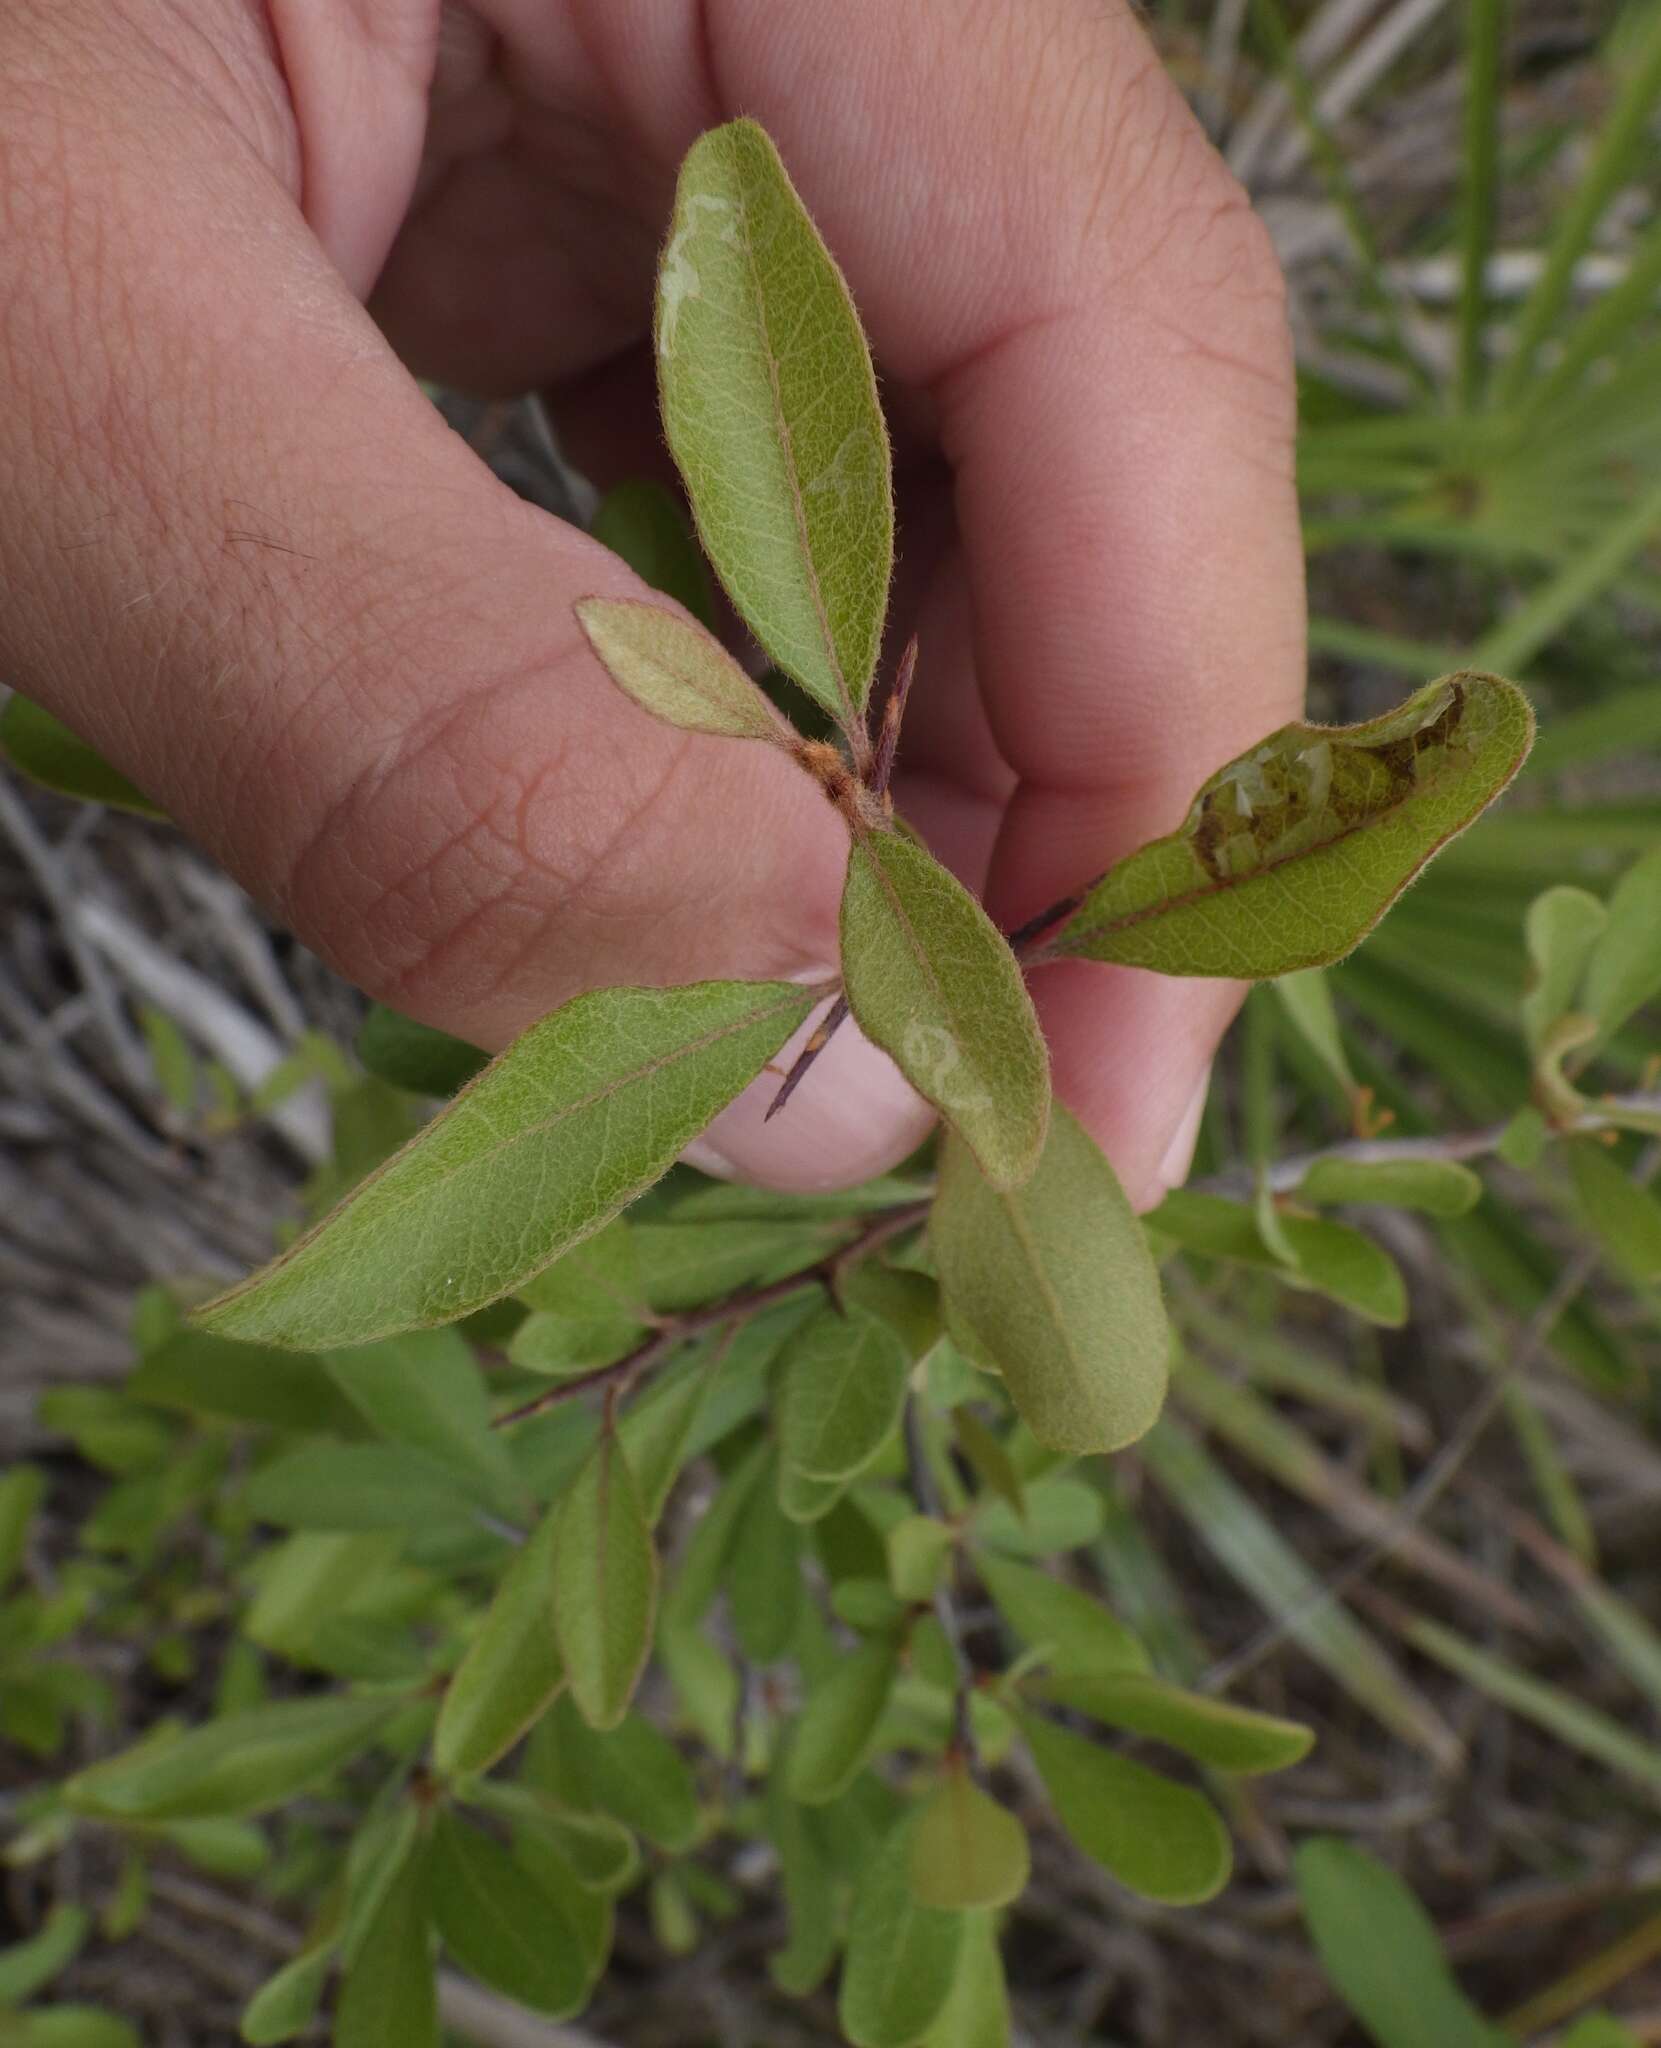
x: 707, y: 1158
x: 1179, y: 1154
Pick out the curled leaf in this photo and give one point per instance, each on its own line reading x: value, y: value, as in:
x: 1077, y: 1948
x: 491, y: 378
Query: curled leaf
x: 1290, y: 854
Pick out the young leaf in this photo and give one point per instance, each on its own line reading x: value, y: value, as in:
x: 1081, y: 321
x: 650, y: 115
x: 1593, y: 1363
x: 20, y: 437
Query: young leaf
x: 1624, y: 971
x: 1331, y: 1258
x: 902, y: 1955
x: 931, y: 980
x: 966, y: 1849
x: 29, y: 1966
x: 1056, y: 1283
x: 1290, y: 855
x: 1157, y: 1838
x: 512, y: 1668
x: 43, y: 748
x: 500, y: 1925
x: 839, y: 1723
x: 1216, y: 1733
x: 575, y: 1119
x: 918, y: 1550
x: 976, y: 2014
x: 1625, y: 1218
x: 1561, y: 928
x: 239, y: 1764
x: 770, y: 408
x: 677, y: 672
x: 1381, y: 1951
x: 605, y: 1585
x: 842, y: 1387
x: 643, y: 522
x: 390, y: 1995
x: 1307, y: 1000
x: 286, y: 2003
x: 415, y: 1056
x: 1435, y: 1187
x: 1077, y: 1634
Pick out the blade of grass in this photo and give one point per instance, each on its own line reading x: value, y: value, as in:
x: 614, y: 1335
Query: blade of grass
x: 1543, y: 614
x: 1349, y: 642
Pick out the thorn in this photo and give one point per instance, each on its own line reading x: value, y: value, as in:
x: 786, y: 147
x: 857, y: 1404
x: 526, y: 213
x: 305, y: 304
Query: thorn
x: 893, y: 715
x: 833, y: 1019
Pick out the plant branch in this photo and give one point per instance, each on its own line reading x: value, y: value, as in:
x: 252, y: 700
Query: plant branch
x: 736, y: 1310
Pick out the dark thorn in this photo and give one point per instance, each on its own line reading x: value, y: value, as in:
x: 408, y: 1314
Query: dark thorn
x: 892, y: 716
x: 835, y: 1016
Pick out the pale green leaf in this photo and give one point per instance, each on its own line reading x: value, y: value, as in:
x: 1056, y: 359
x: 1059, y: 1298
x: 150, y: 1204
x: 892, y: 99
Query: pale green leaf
x: 678, y: 672
x: 44, y: 749
x: 1056, y: 1282
x: 238, y: 1764
x: 600, y: 1851
x: 918, y: 1550
x: 1158, y: 1838
x: 390, y: 1995
x: 1076, y: 1634
x: 842, y: 1388
x: 1435, y: 1187
x: 1331, y: 1257
x: 642, y: 521
x: 575, y: 1119
x: 359, y: 1486
x: 307, y: 1580
x: 771, y: 411
x: 415, y: 1056
x: 966, y: 1849
x: 72, y: 2026
x: 22, y: 1489
x: 1306, y: 998
x: 1624, y: 1217
x: 424, y: 1389
x: 286, y: 2003
x: 27, y: 1967
x: 976, y: 2014
x: 632, y: 1772
x: 902, y: 1955
x: 498, y: 1923
x: 605, y: 1584
x: 171, y: 1059
x: 1290, y: 854
x: 1624, y: 971
x: 1381, y: 1951
x: 1599, y: 2030
x: 512, y: 1668
x: 1216, y: 1733
x: 657, y: 1429
x: 839, y: 1723
x: 1561, y: 928
x: 931, y: 980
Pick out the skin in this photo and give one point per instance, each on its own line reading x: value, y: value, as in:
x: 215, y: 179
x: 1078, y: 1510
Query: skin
x: 240, y: 552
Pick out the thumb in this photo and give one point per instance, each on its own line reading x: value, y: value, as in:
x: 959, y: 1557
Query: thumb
x: 244, y: 555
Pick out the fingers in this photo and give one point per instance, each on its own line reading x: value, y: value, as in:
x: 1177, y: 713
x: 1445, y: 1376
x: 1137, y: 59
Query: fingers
x: 243, y: 554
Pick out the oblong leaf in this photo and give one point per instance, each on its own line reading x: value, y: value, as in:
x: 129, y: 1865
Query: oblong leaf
x: 43, y: 748
x: 676, y: 671
x: 605, y: 1585
x: 967, y: 1850
x: 1217, y: 1733
x: 500, y: 1925
x: 1624, y: 1216
x: 770, y: 408
x: 1290, y: 854
x: 389, y: 1998
x: 1624, y: 970
x: 902, y: 1955
x: 1077, y: 1634
x: 1435, y: 1187
x: 512, y: 1668
x: 839, y: 1723
x: 1561, y: 929
x: 580, y: 1114
x: 931, y: 980
x: 843, y: 1383
x: 1160, y: 1839
x: 1056, y: 1284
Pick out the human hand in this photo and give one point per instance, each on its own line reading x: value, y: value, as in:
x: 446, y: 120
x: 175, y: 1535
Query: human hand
x: 244, y: 555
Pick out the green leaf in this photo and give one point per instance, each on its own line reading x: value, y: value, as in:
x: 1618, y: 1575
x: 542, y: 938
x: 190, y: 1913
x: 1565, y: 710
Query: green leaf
x: 1056, y: 1283
x: 499, y: 1924
x: 22, y: 1489
x: 424, y: 1389
x: 415, y: 1056
x: 286, y: 2003
x: 966, y: 1849
x: 1160, y: 1839
x: 839, y: 1723
x: 1624, y: 1217
x: 512, y: 1668
x: 243, y: 1383
x: 239, y: 1764
x: 931, y: 980
x: 359, y: 1486
x: 992, y: 1464
x: 575, y: 1119
x: 600, y: 1851
x: 677, y: 672
x: 1216, y: 1733
x: 631, y: 1771
x: 1561, y: 929
x: 771, y: 411
x: 763, y: 1574
x: 656, y: 1432
x: 1290, y: 854
x: 643, y: 522
x: 43, y: 748
x: 605, y: 1585
x: 1599, y: 2030
x: 1435, y: 1187
x: 1307, y: 1000
x: 74, y: 2026
x: 1332, y: 1258
x: 976, y: 2014
x: 29, y: 1966
x: 389, y: 1998
x: 918, y: 1550
x: 902, y: 1955
x: 809, y: 1885
x: 1624, y: 971
x: 1077, y: 1634
x: 1381, y: 1951
x: 842, y: 1388
x: 308, y: 1580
